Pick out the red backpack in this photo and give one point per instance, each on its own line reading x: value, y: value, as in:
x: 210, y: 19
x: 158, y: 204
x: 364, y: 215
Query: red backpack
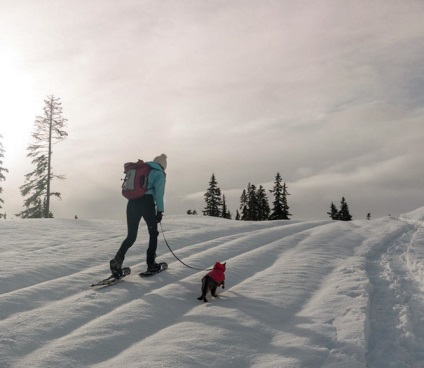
x: 136, y: 178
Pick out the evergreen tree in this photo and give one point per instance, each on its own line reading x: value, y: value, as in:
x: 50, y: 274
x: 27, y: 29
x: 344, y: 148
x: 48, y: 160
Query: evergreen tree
x: 344, y: 214
x: 252, y: 203
x: 237, y: 215
x: 2, y: 177
x: 225, y: 212
x: 286, y: 213
x: 37, y: 187
x: 263, y: 205
x: 334, y: 212
x: 224, y: 207
x: 213, y: 199
x: 243, y: 205
x: 280, y: 209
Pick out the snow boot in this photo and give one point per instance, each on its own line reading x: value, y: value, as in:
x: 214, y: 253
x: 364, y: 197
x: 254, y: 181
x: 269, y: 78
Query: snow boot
x: 116, y: 267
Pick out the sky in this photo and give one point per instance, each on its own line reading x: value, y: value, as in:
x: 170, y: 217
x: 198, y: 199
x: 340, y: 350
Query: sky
x: 298, y: 294
x: 327, y: 93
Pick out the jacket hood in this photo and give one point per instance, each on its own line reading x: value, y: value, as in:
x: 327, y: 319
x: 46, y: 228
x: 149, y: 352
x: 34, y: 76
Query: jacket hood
x: 154, y: 165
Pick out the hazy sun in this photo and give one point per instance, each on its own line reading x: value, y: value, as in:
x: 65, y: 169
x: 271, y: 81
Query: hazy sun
x: 17, y: 105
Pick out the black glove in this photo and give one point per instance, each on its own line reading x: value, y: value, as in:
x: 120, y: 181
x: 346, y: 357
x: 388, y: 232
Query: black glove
x: 159, y: 217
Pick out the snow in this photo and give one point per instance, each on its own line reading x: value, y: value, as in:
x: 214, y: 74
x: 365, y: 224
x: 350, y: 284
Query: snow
x: 298, y: 294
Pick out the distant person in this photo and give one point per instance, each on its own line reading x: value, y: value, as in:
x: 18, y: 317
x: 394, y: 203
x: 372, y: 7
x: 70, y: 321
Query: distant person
x: 150, y: 207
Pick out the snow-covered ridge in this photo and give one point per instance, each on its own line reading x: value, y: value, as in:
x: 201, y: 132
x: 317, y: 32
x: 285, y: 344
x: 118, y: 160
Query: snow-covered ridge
x: 298, y: 294
x: 417, y: 215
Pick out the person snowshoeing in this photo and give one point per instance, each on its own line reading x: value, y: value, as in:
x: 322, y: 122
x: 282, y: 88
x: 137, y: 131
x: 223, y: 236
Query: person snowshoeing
x: 150, y: 207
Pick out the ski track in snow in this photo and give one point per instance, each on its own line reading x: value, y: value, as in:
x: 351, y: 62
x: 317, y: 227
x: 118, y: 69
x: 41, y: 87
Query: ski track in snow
x: 397, y: 303
x: 298, y: 294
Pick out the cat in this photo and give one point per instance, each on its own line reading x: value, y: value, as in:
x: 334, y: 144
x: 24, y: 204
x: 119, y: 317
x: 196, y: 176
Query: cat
x: 212, y: 280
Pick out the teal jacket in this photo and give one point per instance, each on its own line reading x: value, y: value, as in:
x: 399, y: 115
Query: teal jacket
x: 156, y: 184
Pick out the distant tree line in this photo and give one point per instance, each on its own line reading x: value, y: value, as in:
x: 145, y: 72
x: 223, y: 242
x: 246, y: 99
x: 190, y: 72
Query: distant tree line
x: 254, y: 204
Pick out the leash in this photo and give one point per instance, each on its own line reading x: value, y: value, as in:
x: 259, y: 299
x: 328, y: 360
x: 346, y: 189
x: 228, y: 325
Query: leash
x: 193, y: 268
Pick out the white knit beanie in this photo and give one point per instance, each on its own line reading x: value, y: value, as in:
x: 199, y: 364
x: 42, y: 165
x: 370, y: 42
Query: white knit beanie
x: 161, y: 160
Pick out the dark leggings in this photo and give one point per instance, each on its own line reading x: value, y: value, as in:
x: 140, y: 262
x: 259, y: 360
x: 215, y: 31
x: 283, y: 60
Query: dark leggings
x: 143, y: 207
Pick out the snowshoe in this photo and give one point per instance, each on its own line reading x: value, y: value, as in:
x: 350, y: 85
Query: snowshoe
x: 159, y: 267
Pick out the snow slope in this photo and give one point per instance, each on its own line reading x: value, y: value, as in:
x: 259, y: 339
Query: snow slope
x: 298, y: 294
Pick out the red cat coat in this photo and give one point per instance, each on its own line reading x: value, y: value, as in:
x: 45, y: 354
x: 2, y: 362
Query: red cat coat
x: 217, y: 273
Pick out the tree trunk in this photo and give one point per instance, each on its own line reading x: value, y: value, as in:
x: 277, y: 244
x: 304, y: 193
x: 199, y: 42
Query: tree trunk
x: 49, y: 161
